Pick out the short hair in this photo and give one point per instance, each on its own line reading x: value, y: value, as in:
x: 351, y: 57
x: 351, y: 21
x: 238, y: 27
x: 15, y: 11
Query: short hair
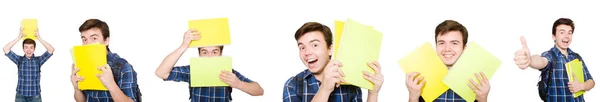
x: 562, y: 21
x: 451, y: 25
x: 28, y: 41
x: 314, y: 26
x: 95, y: 24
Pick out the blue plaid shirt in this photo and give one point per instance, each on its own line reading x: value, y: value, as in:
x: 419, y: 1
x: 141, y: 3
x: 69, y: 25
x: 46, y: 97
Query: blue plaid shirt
x: 29, y: 72
x: 559, y: 90
x: 448, y: 96
x: 310, y: 86
x: 204, y: 94
x: 127, y: 82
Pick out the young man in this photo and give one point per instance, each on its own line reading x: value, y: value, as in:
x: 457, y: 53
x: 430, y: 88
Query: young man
x: 321, y: 81
x: 451, y: 39
x: 28, y: 86
x: 167, y: 72
x: 560, y: 89
x: 117, y: 76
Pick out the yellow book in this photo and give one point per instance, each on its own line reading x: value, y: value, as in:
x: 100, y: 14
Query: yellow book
x: 576, y: 67
x: 359, y: 45
x: 425, y: 60
x: 212, y: 32
x: 88, y: 58
x: 339, y: 28
x: 474, y: 59
x: 29, y: 26
x: 205, y: 71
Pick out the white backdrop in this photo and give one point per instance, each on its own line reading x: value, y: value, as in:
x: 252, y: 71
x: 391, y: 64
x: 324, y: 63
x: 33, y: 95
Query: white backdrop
x: 265, y: 51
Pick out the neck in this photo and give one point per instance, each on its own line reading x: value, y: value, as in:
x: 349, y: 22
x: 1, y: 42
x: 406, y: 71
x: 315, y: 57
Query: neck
x: 562, y: 51
x: 319, y: 76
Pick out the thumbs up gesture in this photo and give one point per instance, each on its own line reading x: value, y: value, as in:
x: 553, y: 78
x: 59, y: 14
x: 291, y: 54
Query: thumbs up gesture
x: 522, y: 56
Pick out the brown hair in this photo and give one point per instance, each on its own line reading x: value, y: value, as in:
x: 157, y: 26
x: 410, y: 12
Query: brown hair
x: 451, y: 25
x: 314, y: 26
x: 562, y: 21
x: 28, y: 41
x: 95, y: 24
x: 220, y: 48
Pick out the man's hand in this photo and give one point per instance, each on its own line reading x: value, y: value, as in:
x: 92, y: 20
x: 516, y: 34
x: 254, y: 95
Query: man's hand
x: 482, y: 88
x: 332, y: 76
x: 376, y: 79
x: 106, y: 77
x: 74, y: 77
x: 522, y: 56
x: 230, y: 78
x: 575, y: 85
x: 190, y: 35
x: 414, y: 85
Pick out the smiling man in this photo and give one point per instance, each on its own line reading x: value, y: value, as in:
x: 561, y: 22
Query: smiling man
x: 451, y: 39
x: 552, y: 64
x: 28, y: 86
x: 321, y: 82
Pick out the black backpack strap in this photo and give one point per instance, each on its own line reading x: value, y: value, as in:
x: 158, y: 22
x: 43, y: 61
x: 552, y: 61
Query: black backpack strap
x: 117, y: 76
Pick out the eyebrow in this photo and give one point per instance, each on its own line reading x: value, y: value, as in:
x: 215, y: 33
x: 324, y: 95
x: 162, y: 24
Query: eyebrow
x: 314, y: 40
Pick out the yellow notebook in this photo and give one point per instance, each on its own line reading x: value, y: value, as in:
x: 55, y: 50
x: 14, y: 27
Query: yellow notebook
x: 425, y: 60
x: 29, y: 26
x: 339, y: 28
x: 88, y: 58
x: 474, y: 59
x: 212, y: 32
x: 576, y: 67
x: 359, y: 45
x: 205, y: 71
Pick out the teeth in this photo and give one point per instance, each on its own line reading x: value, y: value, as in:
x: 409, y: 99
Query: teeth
x: 311, y: 60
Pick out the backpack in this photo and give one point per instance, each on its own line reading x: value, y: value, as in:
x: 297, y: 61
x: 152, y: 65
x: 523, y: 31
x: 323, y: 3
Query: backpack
x: 546, y: 78
x: 117, y: 75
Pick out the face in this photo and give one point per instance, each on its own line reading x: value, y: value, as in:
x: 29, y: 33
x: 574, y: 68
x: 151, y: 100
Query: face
x: 314, y: 51
x: 93, y: 35
x: 212, y: 51
x: 563, y: 36
x: 449, y: 47
x: 28, y: 49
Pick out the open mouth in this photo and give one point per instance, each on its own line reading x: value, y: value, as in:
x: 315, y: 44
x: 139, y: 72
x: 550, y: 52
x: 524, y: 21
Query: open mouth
x: 312, y: 62
x: 448, y: 55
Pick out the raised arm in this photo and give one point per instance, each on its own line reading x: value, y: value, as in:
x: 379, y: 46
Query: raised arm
x: 48, y: 47
x: 167, y: 64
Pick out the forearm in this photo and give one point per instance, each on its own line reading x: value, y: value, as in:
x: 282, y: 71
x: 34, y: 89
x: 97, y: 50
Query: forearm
x: 8, y: 46
x: 253, y: 88
x: 79, y: 96
x: 372, y: 97
x: 167, y: 64
x: 117, y: 94
x: 538, y: 62
x: 47, y: 45
x: 588, y: 85
x: 321, y: 96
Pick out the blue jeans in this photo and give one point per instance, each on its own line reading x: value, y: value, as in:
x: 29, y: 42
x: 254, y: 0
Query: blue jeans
x: 21, y: 98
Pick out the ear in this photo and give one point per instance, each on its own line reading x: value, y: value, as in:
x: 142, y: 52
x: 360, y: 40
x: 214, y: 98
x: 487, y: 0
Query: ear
x: 554, y: 38
x: 329, y: 49
x: 107, y: 41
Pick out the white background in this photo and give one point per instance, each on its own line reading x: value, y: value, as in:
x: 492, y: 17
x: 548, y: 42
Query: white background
x: 264, y: 49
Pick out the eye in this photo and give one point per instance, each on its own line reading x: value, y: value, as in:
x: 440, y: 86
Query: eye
x: 441, y: 43
x: 215, y: 52
x: 455, y: 43
x: 301, y: 47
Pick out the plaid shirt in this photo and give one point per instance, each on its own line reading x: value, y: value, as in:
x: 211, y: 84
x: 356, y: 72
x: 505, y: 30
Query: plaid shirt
x: 448, y: 96
x: 29, y: 72
x: 127, y: 83
x: 559, y: 90
x: 310, y: 85
x: 204, y: 94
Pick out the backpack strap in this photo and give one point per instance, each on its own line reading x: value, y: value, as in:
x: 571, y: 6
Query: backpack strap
x: 119, y: 64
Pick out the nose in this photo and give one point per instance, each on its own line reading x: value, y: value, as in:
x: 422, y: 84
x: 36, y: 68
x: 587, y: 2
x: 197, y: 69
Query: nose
x: 308, y: 51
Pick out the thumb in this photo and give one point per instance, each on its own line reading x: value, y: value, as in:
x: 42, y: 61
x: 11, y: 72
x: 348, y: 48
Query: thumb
x: 524, y: 43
